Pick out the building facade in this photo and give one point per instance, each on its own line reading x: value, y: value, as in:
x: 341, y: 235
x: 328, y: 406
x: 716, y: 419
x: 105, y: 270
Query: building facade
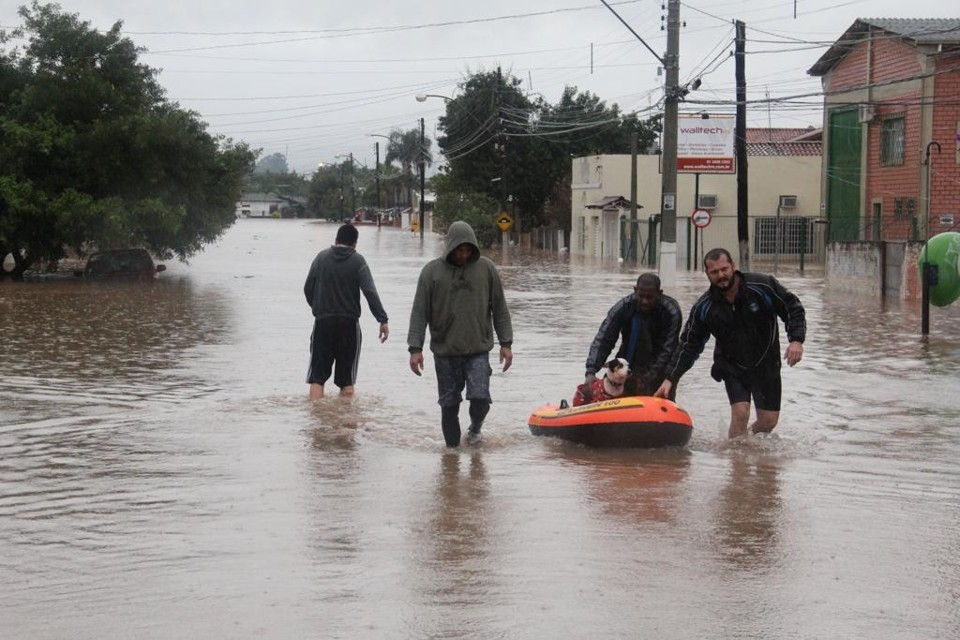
x: 784, y: 168
x: 892, y: 130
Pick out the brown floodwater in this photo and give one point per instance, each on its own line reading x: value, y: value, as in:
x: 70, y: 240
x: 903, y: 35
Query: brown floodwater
x: 163, y: 474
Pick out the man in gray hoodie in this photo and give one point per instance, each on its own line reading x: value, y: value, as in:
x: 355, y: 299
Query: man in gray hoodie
x: 336, y: 278
x: 460, y: 298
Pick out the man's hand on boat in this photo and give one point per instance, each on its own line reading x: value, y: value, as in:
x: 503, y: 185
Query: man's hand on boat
x: 664, y: 390
x: 587, y: 392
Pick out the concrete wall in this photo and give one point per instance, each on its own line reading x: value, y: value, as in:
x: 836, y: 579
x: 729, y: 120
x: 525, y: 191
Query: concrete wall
x: 854, y: 267
x: 867, y: 268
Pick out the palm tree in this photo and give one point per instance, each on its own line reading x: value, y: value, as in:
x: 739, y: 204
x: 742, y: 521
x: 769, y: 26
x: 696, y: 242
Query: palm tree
x: 406, y: 149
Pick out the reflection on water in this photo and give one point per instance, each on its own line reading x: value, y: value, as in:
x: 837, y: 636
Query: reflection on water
x: 749, y: 511
x: 639, y: 486
x: 162, y: 473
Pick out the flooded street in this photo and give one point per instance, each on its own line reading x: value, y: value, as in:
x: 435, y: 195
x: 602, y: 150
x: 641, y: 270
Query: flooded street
x: 163, y: 474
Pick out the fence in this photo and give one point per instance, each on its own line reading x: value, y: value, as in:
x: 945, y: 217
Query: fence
x: 785, y: 239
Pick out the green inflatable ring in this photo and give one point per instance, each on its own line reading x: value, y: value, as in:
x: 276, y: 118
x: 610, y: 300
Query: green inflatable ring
x: 944, y: 252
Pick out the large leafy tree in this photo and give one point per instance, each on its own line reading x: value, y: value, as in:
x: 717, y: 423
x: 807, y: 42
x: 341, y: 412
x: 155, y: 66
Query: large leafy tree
x: 273, y: 163
x: 93, y: 155
x: 515, y: 149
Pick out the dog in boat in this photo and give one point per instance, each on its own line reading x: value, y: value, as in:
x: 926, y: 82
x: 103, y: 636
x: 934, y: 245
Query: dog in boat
x: 608, y: 387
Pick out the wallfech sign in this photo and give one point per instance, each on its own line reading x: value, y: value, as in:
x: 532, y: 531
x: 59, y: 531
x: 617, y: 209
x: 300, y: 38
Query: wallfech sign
x: 705, y: 145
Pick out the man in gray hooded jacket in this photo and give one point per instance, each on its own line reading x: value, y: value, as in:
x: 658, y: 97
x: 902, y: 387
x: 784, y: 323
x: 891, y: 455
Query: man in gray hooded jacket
x: 460, y: 298
x: 336, y: 278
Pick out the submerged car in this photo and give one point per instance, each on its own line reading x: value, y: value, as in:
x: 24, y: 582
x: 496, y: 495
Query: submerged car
x: 131, y: 263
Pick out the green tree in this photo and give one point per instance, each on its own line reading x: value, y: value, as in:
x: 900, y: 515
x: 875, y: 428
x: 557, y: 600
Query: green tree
x: 406, y: 149
x: 273, y: 163
x: 326, y: 190
x: 516, y: 150
x: 92, y: 155
x: 472, y: 207
x: 286, y: 184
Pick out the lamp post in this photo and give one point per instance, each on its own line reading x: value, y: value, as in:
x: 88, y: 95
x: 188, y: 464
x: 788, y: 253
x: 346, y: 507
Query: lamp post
x: 423, y: 172
x: 926, y: 269
x: 422, y: 97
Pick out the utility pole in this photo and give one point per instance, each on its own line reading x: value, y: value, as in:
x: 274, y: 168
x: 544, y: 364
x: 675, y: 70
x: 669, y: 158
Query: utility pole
x: 502, y: 152
x: 353, y: 190
x: 341, y: 192
x: 740, y: 146
x: 632, y: 254
x: 376, y: 175
x: 668, y: 198
x: 423, y: 176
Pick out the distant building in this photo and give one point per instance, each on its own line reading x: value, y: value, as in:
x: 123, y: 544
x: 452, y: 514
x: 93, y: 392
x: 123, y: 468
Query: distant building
x: 258, y: 205
x: 784, y: 202
x: 891, y: 90
x: 270, y: 205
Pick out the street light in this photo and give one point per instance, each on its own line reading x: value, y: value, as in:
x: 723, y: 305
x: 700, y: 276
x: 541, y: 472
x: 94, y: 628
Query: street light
x: 926, y: 269
x: 422, y: 97
x: 423, y: 176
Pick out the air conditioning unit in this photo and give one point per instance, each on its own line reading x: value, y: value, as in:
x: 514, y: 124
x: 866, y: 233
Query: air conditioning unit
x: 706, y: 201
x: 788, y: 202
x: 867, y: 113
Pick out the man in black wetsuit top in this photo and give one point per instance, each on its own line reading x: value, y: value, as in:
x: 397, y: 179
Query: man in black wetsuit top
x: 740, y: 311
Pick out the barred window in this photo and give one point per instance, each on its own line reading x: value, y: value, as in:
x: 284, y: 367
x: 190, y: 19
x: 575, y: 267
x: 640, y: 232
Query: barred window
x: 891, y: 142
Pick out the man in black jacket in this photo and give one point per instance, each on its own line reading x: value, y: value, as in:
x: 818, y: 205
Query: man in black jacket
x: 740, y: 311
x: 336, y: 278
x: 648, y: 323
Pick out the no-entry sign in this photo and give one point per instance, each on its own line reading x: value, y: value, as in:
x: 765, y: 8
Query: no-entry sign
x: 701, y: 218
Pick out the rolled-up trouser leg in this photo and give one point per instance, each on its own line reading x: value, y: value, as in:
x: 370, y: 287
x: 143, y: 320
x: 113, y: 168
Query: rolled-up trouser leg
x: 450, y: 424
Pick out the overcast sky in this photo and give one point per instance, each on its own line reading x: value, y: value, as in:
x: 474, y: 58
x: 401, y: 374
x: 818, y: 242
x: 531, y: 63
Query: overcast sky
x: 316, y: 79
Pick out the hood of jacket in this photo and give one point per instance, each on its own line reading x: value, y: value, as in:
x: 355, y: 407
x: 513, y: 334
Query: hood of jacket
x: 342, y: 252
x: 461, y: 233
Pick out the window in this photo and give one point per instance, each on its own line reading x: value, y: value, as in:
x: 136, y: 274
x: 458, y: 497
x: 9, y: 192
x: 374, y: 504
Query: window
x: 891, y: 141
x: 793, y: 235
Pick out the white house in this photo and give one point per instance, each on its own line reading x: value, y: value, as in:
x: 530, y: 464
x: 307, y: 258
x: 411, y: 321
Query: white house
x: 259, y: 205
x: 783, y: 198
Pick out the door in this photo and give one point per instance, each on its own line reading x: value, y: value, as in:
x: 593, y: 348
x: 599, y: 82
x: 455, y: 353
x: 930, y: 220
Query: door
x: 611, y: 235
x: 843, y: 175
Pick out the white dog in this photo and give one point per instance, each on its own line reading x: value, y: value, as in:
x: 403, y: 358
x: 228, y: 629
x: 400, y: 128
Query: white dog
x: 609, y: 386
x: 618, y: 370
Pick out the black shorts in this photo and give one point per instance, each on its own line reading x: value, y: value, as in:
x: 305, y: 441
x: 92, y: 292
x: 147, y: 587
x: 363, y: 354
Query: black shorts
x: 765, y: 389
x: 334, y: 347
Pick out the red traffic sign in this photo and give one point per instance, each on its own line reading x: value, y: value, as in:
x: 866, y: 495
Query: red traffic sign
x: 701, y: 218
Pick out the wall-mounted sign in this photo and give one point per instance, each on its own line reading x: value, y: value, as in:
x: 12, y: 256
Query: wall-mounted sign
x: 701, y: 218
x: 705, y: 145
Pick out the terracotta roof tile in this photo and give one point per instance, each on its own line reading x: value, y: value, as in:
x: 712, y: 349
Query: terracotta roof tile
x: 813, y: 148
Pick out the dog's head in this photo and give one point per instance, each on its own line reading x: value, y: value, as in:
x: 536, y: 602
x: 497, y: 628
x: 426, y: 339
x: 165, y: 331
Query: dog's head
x: 618, y: 370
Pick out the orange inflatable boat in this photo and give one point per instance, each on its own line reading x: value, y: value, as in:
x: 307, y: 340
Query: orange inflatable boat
x: 639, y: 421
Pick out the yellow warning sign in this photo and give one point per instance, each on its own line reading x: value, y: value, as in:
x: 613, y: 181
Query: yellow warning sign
x: 504, y: 221
x: 415, y: 226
